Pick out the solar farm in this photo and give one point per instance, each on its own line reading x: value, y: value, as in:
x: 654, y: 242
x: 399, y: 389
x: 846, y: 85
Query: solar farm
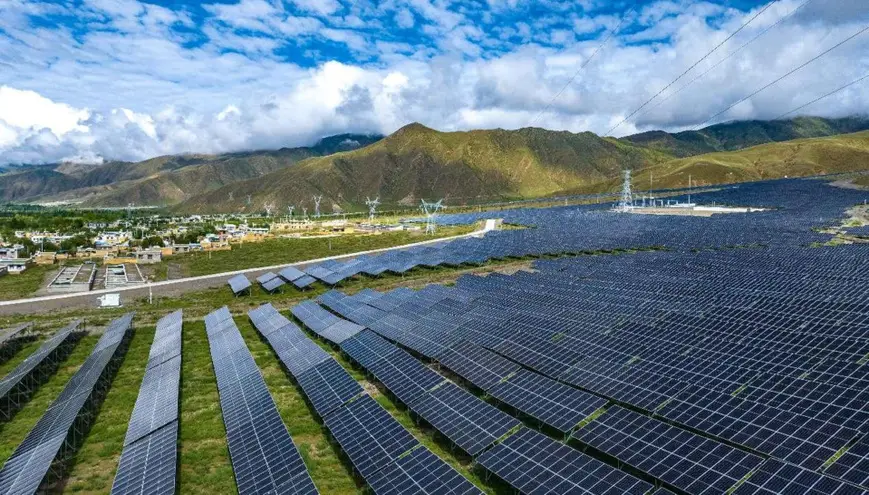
x: 638, y: 354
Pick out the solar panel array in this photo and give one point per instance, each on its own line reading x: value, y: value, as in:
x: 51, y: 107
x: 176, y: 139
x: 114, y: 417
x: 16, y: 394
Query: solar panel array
x: 760, y: 348
x: 148, y: 460
x: 380, y: 449
x: 32, y: 461
x: 239, y: 284
x: 18, y: 385
x: 264, y: 457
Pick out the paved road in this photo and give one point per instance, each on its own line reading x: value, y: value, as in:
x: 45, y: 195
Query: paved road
x: 176, y: 287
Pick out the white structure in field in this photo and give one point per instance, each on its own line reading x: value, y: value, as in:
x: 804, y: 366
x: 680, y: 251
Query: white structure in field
x: 626, y: 203
x: 431, y: 212
x: 110, y: 300
x: 372, y: 207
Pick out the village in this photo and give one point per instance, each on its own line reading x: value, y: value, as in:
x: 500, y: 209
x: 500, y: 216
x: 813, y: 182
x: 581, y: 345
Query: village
x: 114, y: 254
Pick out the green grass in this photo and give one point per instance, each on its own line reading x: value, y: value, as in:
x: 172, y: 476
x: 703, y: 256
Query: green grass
x: 280, y: 251
x: 13, y: 432
x: 96, y: 461
x: 204, y: 464
x: 23, y: 284
x: 19, y: 356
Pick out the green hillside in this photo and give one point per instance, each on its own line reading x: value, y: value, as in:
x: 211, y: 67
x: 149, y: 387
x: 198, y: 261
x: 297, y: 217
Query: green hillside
x: 734, y: 136
x: 798, y: 158
x: 417, y: 162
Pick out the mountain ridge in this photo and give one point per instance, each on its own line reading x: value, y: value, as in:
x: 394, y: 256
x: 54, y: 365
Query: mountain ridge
x: 415, y: 161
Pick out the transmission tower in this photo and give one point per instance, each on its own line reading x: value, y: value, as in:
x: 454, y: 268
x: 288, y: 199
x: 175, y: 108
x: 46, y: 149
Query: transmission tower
x: 304, y: 213
x: 317, y: 200
x: 269, y: 207
x: 627, y: 201
x: 431, y: 211
x: 290, y: 209
x: 372, y: 207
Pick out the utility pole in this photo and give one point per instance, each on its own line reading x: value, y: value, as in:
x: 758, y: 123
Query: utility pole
x: 626, y: 201
x: 317, y: 200
x: 431, y: 211
x: 372, y: 207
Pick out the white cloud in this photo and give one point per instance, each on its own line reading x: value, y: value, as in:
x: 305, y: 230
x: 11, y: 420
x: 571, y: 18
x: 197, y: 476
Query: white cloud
x: 141, y: 88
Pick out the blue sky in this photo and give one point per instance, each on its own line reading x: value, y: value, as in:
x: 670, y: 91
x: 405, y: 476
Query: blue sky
x: 88, y: 80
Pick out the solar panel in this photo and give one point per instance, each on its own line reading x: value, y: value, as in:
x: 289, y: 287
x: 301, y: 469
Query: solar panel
x: 367, y: 295
x: 467, y: 421
x: 31, y: 461
x: 291, y: 273
x: 265, y: 277
x: 148, y: 465
x: 304, y: 281
x: 366, y: 348
x: 274, y: 284
x: 534, y: 463
x: 340, y: 331
x: 13, y: 332
x: 239, y: 284
x: 479, y: 366
x: 264, y: 458
x: 328, y: 386
x: 18, y: 385
x: 314, y: 316
x: 804, y: 441
x: 853, y: 465
x: 685, y: 460
x: 776, y: 477
x: 157, y: 403
x: 369, y: 435
x: 551, y: 402
x: 405, y: 376
x: 420, y: 472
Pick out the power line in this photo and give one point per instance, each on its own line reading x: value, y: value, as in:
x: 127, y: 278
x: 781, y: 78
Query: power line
x: 816, y: 57
x: 731, y: 54
x: 689, y: 69
x: 582, y: 66
x: 831, y: 93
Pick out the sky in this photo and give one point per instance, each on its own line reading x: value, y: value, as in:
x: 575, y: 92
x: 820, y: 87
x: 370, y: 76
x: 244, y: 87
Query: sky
x: 94, y: 80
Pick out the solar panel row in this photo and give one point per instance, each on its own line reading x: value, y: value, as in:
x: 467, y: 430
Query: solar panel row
x: 381, y: 450
x: 148, y: 460
x: 30, y: 465
x: 264, y: 457
x: 20, y: 383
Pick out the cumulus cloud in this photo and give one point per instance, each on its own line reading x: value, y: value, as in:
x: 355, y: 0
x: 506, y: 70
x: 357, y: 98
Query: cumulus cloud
x: 129, y: 80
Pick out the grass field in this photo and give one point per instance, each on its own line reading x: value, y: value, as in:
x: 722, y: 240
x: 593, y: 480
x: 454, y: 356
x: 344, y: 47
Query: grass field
x: 280, y: 251
x: 24, y: 284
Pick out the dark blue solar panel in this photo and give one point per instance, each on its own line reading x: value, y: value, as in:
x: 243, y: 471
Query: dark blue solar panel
x: 534, y: 463
x: 369, y: 435
x: 466, y: 420
x: 420, y: 472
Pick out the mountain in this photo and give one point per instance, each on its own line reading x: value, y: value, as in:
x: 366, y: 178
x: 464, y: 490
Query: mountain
x: 732, y: 136
x: 417, y: 162
x: 797, y: 158
x: 163, y: 180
